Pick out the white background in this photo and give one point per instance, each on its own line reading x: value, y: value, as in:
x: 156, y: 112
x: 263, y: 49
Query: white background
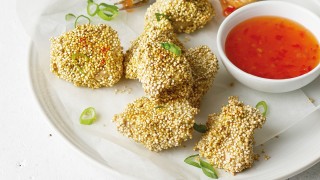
x: 29, y: 147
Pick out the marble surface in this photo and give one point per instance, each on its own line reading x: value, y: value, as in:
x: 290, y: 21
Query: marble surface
x: 29, y: 147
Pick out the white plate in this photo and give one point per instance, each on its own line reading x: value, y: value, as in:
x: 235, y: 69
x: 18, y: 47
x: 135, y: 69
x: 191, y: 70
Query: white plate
x: 295, y: 150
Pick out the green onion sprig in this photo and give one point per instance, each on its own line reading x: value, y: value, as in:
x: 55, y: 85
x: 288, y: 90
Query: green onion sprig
x: 200, y: 128
x: 264, y: 105
x: 104, y: 11
x: 207, y: 168
x: 88, y: 116
x: 172, y: 48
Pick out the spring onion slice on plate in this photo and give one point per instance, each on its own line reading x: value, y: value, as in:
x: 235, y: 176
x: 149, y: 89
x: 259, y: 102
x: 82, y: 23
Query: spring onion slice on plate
x: 92, y: 6
x: 172, y: 48
x: 88, y: 116
x: 107, y: 12
x: 207, y: 168
x: 264, y: 105
x: 69, y: 17
x: 81, y: 17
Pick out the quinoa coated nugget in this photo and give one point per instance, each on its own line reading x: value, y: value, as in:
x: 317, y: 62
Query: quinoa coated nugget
x: 164, y: 75
x: 154, y: 31
x: 157, y: 126
x: 204, y: 65
x: 185, y: 15
x: 89, y: 55
x: 228, y: 143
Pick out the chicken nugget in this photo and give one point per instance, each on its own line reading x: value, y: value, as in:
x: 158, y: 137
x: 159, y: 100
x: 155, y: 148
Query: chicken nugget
x: 185, y: 15
x: 89, y: 55
x: 157, y: 126
x: 228, y: 143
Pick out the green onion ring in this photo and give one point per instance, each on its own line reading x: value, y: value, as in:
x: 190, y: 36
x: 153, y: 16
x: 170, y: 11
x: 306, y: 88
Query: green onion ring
x: 107, y: 12
x: 88, y: 116
x: 172, y: 48
x: 81, y: 16
x: 69, y: 16
x: 264, y: 106
x: 91, y: 4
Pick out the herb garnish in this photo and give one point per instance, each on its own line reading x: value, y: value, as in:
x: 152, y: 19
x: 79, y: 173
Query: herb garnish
x: 200, y: 128
x: 159, y: 16
x: 207, y: 168
x: 264, y: 105
x: 172, y: 48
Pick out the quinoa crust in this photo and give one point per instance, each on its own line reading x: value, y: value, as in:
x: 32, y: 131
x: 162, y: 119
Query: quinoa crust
x: 164, y: 75
x: 204, y: 65
x: 89, y: 55
x: 185, y: 15
x: 157, y: 126
x: 228, y: 143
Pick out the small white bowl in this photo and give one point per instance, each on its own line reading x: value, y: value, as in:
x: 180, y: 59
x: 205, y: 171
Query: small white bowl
x: 269, y: 8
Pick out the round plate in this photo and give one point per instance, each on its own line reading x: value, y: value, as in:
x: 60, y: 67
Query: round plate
x: 294, y: 151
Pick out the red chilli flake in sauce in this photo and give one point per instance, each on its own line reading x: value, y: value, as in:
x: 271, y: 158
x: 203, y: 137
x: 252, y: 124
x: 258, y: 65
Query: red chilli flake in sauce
x: 272, y: 47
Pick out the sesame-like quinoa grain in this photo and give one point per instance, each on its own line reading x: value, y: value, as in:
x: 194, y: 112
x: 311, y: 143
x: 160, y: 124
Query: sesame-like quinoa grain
x: 89, y: 55
x: 204, y: 65
x: 228, y: 143
x: 185, y: 15
x: 157, y: 126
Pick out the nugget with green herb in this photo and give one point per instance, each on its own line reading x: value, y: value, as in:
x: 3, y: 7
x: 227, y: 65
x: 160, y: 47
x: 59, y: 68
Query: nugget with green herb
x: 157, y: 126
x: 89, y: 56
x: 185, y: 15
x: 228, y: 143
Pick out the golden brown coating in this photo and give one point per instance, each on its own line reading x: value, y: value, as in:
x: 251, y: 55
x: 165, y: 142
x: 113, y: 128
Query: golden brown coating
x: 164, y: 75
x: 204, y: 65
x: 89, y: 55
x: 155, y: 31
x: 228, y: 143
x: 185, y: 15
x: 157, y: 126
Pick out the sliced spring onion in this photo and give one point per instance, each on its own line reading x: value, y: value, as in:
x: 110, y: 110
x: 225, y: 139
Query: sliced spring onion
x: 81, y: 16
x: 200, y: 128
x: 107, y: 12
x: 74, y: 58
x: 193, y: 160
x: 92, y: 6
x: 77, y: 55
x: 264, y: 105
x: 159, y: 16
x: 69, y: 16
x: 172, y: 48
x: 208, y: 170
x: 88, y: 116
